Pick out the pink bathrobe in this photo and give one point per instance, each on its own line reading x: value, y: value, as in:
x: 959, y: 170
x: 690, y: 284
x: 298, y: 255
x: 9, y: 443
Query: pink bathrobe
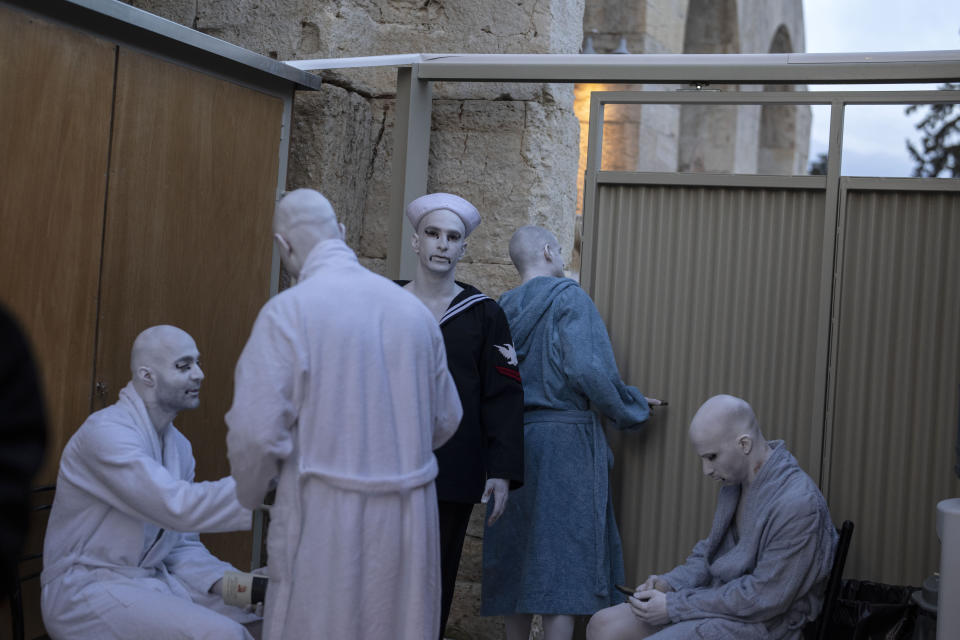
x: 342, y: 393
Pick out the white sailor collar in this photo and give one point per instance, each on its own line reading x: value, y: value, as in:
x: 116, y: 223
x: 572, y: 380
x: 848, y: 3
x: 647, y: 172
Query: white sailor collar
x: 459, y: 306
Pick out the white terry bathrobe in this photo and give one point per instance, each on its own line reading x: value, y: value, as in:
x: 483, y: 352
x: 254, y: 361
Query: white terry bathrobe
x: 343, y: 392
x: 120, y: 559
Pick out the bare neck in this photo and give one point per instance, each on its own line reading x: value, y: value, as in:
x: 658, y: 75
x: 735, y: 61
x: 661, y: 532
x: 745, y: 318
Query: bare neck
x: 531, y: 271
x: 159, y: 417
x: 435, y: 290
x: 758, y: 458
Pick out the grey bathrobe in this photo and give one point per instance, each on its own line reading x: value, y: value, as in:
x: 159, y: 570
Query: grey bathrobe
x: 556, y: 550
x: 767, y: 580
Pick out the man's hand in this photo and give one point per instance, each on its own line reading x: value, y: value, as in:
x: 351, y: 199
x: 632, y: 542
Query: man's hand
x: 653, y: 402
x: 650, y: 606
x: 500, y: 489
x: 655, y: 582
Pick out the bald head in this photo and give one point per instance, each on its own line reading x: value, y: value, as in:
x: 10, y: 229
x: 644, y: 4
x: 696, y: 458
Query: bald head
x: 726, y: 435
x: 725, y: 415
x: 165, y: 366
x: 156, y: 345
x: 536, y: 251
x: 303, y: 218
x: 303, y: 208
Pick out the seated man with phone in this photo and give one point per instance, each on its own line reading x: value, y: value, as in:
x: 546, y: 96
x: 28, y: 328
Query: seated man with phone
x: 761, y: 571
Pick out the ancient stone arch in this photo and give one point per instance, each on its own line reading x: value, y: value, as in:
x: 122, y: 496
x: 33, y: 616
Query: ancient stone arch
x: 708, y: 134
x: 778, y: 123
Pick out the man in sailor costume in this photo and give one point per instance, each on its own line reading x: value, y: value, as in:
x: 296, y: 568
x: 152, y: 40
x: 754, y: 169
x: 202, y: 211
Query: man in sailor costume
x: 484, y: 458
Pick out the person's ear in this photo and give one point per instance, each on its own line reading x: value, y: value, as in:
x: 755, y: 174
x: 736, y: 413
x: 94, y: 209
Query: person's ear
x: 746, y: 444
x: 146, y: 376
x: 415, y: 242
x: 343, y: 231
x: 283, y: 243
x: 463, y: 249
x: 547, y: 253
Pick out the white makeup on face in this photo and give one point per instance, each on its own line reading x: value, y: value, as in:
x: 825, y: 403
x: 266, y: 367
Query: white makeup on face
x: 440, y: 241
x: 721, y: 458
x: 179, y: 378
x: 558, y: 261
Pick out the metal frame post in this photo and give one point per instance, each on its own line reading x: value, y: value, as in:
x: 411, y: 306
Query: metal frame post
x: 411, y: 150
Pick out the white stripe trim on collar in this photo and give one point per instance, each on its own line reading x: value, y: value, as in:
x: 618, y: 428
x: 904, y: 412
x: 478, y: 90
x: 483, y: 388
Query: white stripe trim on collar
x: 463, y: 305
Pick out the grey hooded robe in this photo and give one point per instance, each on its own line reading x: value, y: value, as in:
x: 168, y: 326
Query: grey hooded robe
x: 556, y: 550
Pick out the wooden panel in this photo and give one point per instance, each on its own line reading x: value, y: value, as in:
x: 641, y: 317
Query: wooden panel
x: 193, y: 178
x: 56, y: 90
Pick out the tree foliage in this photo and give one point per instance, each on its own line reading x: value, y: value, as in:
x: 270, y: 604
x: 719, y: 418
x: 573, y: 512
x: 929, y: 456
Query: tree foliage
x: 939, y: 148
x: 818, y: 167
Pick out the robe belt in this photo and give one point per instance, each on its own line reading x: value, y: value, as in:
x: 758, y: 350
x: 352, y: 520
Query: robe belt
x: 376, y: 484
x: 557, y: 415
x: 600, y: 480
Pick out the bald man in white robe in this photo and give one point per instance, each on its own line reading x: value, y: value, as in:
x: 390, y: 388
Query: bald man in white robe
x: 341, y: 394
x: 121, y: 554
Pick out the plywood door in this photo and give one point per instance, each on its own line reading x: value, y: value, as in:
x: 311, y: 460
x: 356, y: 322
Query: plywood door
x: 56, y: 91
x: 193, y: 178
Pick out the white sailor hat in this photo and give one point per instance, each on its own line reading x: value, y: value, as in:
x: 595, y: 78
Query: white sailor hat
x: 434, y: 201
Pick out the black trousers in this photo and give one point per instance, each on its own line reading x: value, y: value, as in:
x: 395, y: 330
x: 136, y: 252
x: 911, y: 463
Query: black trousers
x: 454, y: 518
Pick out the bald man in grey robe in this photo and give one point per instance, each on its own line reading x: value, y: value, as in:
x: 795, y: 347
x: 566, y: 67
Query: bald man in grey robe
x: 761, y: 571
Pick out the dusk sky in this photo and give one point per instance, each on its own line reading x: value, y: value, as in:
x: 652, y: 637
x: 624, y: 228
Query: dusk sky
x: 875, y: 136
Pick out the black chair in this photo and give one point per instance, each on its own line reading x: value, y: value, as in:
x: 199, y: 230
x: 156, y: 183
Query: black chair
x: 17, y: 623
x: 817, y: 630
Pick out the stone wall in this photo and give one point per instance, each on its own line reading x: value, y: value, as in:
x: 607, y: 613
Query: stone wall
x: 509, y: 148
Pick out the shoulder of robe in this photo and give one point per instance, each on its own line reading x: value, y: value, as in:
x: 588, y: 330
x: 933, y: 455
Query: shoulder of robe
x: 577, y: 293
x: 278, y: 304
x: 106, y: 429
x: 797, y: 508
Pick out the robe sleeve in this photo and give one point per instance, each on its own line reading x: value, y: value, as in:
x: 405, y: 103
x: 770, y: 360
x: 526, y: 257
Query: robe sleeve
x: 784, y: 564
x: 447, y: 411
x: 501, y: 411
x: 265, y: 407
x: 194, y: 565
x: 589, y: 364
x: 115, y: 469
x: 694, y: 572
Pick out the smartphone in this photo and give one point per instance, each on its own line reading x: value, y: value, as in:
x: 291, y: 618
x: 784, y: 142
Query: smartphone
x: 629, y: 592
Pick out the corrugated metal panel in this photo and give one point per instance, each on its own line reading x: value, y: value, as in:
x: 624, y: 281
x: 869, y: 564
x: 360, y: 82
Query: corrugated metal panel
x: 897, y: 376
x: 704, y: 291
